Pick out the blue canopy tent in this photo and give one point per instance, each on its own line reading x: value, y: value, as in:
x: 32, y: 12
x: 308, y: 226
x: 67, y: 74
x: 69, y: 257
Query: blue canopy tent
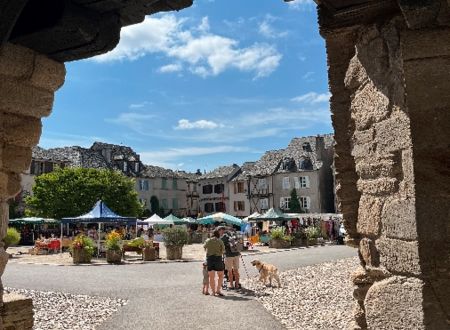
x: 100, y: 213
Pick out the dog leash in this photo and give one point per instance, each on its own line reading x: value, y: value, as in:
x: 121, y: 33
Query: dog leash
x: 245, y: 267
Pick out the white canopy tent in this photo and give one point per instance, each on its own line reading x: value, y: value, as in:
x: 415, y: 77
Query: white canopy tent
x: 155, y: 220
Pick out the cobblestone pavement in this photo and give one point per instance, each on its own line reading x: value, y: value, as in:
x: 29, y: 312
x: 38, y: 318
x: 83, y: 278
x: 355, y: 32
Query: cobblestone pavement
x: 166, y: 295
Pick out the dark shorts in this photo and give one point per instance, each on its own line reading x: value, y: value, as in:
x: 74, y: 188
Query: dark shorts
x: 215, y: 263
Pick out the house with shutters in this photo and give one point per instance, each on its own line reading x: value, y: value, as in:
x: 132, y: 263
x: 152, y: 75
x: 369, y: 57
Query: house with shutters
x: 214, y: 194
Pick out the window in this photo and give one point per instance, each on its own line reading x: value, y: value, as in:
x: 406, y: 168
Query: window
x: 306, y: 164
x: 207, y: 189
x: 284, y: 202
x: 136, y: 167
x: 143, y: 185
x: 164, y: 204
x: 304, y: 182
x: 262, y: 183
x: 239, y: 206
x: 220, y: 207
x: 306, y: 147
x: 239, y: 187
x: 175, y: 204
x: 174, y: 184
x: 219, y: 188
x: 125, y: 166
x: 164, y: 183
x: 286, y: 183
x: 305, y: 202
x: 296, y: 183
x: 209, y: 207
x: 264, y: 203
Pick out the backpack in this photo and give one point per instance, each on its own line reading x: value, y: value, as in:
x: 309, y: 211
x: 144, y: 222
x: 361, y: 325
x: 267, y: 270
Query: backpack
x: 233, y: 244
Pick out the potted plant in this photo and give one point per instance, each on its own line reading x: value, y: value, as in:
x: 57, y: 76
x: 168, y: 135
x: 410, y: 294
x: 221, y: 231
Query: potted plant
x: 174, y: 240
x: 299, y: 237
x: 148, y: 251
x: 114, y: 247
x: 312, y: 234
x: 278, y: 239
x: 82, y: 249
x: 12, y: 237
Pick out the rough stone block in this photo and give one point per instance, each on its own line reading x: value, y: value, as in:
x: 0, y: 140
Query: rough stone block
x: 399, y: 219
x: 15, y: 159
x: 26, y: 100
x: 364, y: 150
x: 48, y: 74
x: 16, y: 61
x: 393, y: 134
x: 9, y: 184
x: 17, y: 312
x: 378, y: 187
x: 425, y: 43
x: 20, y: 130
x: 369, y: 215
x: 369, y: 252
x: 369, y: 106
x: 375, y: 168
x: 360, y: 291
x: 407, y: 185
x: 399, y: 256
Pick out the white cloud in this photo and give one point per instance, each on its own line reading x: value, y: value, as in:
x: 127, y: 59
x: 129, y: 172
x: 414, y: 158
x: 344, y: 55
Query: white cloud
x: 185, y: 124
x: 204, y: 53
x: 268, y: 31
x: 170, y: 68
x: 138, y: 105
x: 301, y: 4
x: 135, y: 121
x: 169, y: 157
x: 312, y: 98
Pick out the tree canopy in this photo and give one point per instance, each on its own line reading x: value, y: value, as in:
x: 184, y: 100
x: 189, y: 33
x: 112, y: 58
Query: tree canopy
x: 72, y: 192
x: 294, y: 204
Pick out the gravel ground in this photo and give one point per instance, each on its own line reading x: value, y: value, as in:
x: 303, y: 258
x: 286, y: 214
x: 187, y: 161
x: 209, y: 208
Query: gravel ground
x: 312, y: 297
x: 57, y: 310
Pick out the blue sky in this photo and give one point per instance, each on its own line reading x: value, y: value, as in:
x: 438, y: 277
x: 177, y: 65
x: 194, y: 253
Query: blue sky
x: 218, y: 83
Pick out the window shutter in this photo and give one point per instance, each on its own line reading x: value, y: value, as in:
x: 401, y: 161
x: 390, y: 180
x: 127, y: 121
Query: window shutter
x: 307, y: 181
x: 296, y: 183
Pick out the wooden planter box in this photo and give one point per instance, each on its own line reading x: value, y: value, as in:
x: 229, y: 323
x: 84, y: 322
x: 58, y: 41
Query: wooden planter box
x: 279, y: 244
x: 80, y: 256
x: 114, y: 256
x: 174, y: 252
x: 149, y: 254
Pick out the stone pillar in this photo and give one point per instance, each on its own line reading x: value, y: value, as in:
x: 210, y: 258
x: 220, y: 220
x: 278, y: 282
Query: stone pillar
x: 28, y: 81
x: 391, y: 114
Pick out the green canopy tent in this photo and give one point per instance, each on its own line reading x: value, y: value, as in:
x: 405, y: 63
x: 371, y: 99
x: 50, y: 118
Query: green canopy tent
x: 220, y: 217
x: 176, y: 220
x: 33, y: 221
x: 272, y: 215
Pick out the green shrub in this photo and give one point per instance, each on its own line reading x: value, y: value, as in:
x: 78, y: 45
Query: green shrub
x: 175, y: 236
x: 277, y: 233
x: 288, y: 238
x: 12, y: 237
x: 312, y: 232
x: 138, y: 242
x: 300, y: 234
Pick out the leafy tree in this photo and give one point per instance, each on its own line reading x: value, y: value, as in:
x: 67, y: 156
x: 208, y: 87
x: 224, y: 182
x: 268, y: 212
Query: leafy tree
x: 154, y: 204
x: 294, y: 204
x: 71, y: 192
x: 146, y: 213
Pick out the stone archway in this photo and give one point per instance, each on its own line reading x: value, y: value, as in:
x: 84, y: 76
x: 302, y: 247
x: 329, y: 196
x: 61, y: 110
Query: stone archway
x: 389, y: 63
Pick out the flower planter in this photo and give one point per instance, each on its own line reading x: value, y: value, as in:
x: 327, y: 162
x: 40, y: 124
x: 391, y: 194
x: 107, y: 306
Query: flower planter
x: 114, y: 256
x: 81, y: 256
x: 312, y: 241
x: 174, y: 252
x: 279, y: 244
x: 297, y: 242
x: 149, y: 254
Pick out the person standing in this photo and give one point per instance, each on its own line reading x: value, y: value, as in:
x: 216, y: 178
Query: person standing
x: 232, y: 255
x: 214, y: 251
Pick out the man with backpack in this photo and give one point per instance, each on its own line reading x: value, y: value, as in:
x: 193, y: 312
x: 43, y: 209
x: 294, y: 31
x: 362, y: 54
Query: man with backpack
x: 232, y: 255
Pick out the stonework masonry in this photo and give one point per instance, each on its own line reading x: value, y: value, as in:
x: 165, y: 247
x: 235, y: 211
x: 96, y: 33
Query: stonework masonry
x: 391, y: 113
x: 28, y: 82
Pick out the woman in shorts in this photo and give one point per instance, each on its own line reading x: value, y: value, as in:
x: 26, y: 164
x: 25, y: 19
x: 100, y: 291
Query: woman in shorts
x: 214, y: 251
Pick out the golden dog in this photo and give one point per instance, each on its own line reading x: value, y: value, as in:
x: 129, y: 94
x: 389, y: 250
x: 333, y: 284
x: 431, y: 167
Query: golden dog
x: 266, y: 271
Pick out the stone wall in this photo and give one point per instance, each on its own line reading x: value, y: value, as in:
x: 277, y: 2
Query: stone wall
x: 390, y: 105
x: 28, y: 82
